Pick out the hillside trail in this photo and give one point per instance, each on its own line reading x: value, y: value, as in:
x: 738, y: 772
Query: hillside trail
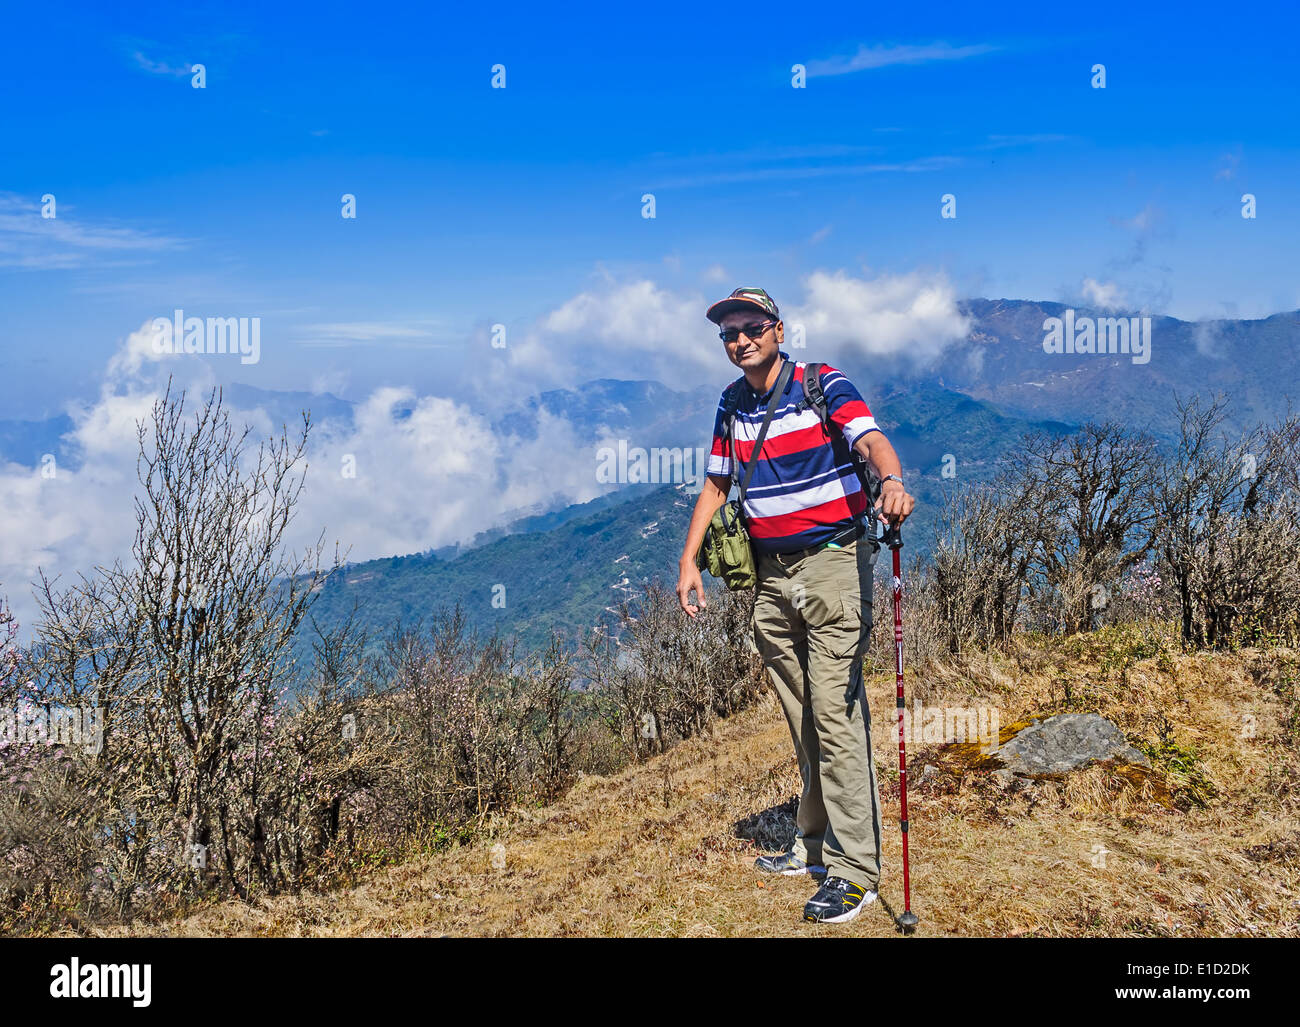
x: 666, y: 847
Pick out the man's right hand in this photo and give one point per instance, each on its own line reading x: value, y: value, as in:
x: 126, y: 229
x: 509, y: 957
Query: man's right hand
x: 689, y: 578
x: 712, y: 495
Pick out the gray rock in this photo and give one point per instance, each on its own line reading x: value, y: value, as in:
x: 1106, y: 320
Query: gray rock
x: 1065, y: 742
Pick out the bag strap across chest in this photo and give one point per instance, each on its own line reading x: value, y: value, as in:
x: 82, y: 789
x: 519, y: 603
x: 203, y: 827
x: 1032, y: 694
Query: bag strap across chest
x: 732, y: 402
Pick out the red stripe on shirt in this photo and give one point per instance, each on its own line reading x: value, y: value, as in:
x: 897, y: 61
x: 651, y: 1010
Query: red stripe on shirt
x: 781, y: 445
x: 809, y: 518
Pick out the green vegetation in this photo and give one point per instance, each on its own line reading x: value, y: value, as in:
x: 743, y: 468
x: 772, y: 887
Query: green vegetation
x: 567, y: 579
x: 1182, y: 765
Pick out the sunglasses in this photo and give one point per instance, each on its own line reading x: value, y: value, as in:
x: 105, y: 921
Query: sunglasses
x: 754, y: 331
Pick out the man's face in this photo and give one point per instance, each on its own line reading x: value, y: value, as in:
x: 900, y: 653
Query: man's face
x: 747, y: 351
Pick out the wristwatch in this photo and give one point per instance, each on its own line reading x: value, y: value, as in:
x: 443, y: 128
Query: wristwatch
x: 892, y: 477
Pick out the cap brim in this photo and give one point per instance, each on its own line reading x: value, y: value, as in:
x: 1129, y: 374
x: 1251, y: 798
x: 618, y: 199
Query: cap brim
x: 722, y: 308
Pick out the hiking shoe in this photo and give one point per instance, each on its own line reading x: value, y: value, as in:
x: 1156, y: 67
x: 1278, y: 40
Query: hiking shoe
x: 787, y: 865
x: 837, y: 901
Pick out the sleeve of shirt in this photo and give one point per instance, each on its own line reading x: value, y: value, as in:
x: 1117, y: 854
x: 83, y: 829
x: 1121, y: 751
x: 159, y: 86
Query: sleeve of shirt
x: 720, y: 453
x: 848, y: 410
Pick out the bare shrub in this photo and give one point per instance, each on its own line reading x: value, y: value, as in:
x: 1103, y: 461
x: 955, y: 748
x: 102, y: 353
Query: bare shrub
x: 1091, y: 486
x: 988, y: 539
x: 185, y: 649
x: 478, y: 729
x: 925, y: 633
x: 225, y: 768
x: 666, y: 677
x: 1224, y: 527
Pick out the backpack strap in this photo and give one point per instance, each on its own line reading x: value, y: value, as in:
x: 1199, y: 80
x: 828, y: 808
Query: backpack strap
x: 730, y: 404
x: 816, y: 400
x: 813, y: 394
x: 731, y: 401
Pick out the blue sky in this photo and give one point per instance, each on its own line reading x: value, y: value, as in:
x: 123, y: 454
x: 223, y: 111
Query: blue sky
x: 523, y: 207
x: 479, y: 206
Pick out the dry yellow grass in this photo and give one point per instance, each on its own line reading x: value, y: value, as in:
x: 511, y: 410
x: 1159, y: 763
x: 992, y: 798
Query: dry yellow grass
x: 665, y: 848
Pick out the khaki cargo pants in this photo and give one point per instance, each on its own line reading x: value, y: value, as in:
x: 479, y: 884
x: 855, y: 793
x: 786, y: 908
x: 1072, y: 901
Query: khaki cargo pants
x: 812, y: 621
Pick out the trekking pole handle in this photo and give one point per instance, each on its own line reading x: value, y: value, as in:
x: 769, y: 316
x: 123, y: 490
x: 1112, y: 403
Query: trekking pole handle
x: 893, y: 537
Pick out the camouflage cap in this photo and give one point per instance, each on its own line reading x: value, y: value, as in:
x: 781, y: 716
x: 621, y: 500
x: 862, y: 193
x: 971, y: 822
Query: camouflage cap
x: 739, y: 300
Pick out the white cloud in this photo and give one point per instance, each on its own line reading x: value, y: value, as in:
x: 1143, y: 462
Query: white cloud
x: 29, y: 241
x: 913, y: 316
x: 636, y: 329
x: 1105, y: 295
x: 418, y: 333
x: 1147, y: 226
x: 134, y: 354
x: 616, y: 329
x: 1144, y: 220
x: 331, y: 380
x: 1228, y: 166
x: 1208, y: 338
x: 430, y: 471
x: 436, y: 475
x: 882, y: 56
x: 632, y: 314
x: 821, y: 169
x: 162, y: 67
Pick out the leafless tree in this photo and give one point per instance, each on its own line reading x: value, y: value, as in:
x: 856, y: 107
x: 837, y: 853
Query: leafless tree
x: 1092, y: 485
x: 187, y: 647
x: 1225, y: 525
x: 989, y: 536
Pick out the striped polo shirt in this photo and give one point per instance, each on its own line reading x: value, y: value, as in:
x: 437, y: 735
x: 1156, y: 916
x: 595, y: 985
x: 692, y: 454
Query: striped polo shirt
x: 804, y: 490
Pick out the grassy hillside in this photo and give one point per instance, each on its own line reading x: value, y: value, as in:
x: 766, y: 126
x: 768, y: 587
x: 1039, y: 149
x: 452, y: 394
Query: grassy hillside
x: 1208, y: 846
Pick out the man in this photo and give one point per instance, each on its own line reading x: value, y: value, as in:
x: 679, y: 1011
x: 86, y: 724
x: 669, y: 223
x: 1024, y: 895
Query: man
x: 805, y: 509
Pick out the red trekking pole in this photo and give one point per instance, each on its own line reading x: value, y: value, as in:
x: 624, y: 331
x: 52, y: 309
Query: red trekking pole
x: 894, y: 540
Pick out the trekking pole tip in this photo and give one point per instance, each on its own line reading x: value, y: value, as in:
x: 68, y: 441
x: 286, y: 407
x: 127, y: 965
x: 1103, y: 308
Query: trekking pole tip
x: 908, y: 921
